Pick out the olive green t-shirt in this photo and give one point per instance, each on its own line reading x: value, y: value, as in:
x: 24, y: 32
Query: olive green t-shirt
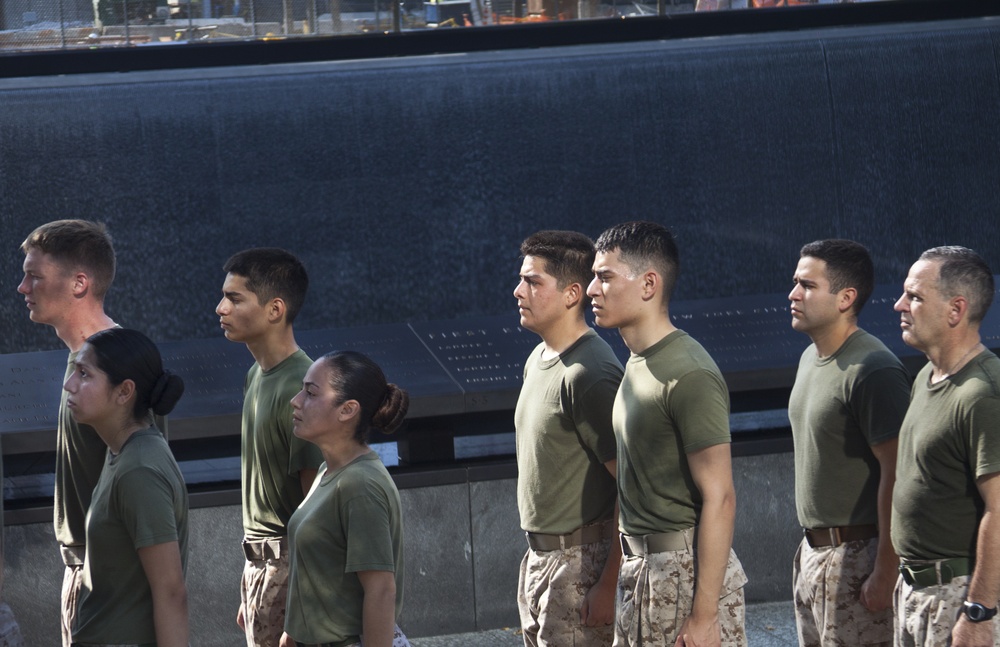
x: 80, y: 454
x: 948, y: 439
x: 564, y: 436
x: 272, y: 456
x: 140, y: 501
x: 350, y: 522
x: 673, y: 401
x: 840, y: 406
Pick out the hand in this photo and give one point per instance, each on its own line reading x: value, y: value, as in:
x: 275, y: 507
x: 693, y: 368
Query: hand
x: 972, y: 634
x: 286, y: 641
x: 239, y: 619
x: 876, y: 592
x: 599, y: 605
x: 699, y: 633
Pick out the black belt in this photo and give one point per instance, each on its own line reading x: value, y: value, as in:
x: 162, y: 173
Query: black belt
x: 921, y: 574
x: 821, y: 537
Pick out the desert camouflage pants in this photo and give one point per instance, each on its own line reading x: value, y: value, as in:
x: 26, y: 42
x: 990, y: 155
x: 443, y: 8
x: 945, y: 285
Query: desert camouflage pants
x: 550, y: 592
x: 262, y: 592
x: 71, y: 585
x: 656, y: 593
x: 926, y: 616
x: 827, y: 587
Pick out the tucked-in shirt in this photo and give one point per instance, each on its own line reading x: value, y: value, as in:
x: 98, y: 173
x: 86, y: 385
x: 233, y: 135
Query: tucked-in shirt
x: 840, y: 406
x: 948, y: 440
x: 272, y: 456
x: 564, y: 436
x: 673, y: 401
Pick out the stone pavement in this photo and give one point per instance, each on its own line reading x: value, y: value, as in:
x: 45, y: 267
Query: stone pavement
x: 769, y: 624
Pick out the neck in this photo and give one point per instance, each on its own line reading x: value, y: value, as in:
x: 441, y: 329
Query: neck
x: 642, y: 334
x: 274, y: 349
x: 340, y: 452
x: 949, y: 358
x: 116, y: 435
x: 560, y: 337
x: 829, y: 341
x: 76, y: 329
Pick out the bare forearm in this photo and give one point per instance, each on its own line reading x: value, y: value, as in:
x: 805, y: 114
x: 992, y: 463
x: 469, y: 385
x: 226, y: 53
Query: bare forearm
x: 715, y: 539
x: 984, y: 587
x: 379, y: 617
x: 170, y: 617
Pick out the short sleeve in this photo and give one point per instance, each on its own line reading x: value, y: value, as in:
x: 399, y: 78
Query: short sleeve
x: 985, y: 443
x: 145, y: 503
x: 879, y: 403
x: 367, y: 528
x: 699, y: 406
x: 592, y: 417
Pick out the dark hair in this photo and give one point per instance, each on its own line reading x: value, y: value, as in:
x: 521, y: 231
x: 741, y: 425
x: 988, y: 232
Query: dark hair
x: 568, y: 256
x: 643, y: 245
x: 77, y: 244
x: 272, y: 273
x: 848, y: 265
x: 124, y: 354
x: 963, y: 272
x: 354, y: 376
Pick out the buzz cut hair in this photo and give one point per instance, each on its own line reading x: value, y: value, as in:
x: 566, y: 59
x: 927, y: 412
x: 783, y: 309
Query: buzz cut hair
x: 848, y: 265
x: 644, y: 245
x: 963, y: 272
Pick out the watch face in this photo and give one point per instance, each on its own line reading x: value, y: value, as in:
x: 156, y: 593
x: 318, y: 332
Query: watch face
x: 976, y: 612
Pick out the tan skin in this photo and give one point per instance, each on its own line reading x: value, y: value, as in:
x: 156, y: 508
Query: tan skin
x: 635, y: 303
x: 108, y: 409
x: 263, y: 327
x: 557, y: 316
x: 938, y: 325
x: 829, y: 318
x: 323, y: 418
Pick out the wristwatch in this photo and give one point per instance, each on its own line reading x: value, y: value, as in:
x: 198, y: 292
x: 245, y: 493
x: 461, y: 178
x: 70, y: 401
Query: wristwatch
x: 976, y: 612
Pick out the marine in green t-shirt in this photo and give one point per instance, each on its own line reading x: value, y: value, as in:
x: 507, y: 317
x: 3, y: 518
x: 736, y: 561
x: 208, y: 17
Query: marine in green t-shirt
x: 566, y: 461
x: 679, y: 575
x: 68, y: 268
x: 262, y: 294
x: 943, y: 526
x: 140, y: 501
x: 849, y: 398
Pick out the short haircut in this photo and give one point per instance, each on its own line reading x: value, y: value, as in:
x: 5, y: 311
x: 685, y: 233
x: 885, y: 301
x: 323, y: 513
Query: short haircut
x: 568, y: 255
x: 272, y: 273
x: 77, y: 245
x: 963, y: 272
x: 848, y: 265
x: 643, y: 245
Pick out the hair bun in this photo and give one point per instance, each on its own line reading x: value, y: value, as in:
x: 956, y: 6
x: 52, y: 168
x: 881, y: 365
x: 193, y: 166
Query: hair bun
x: 167, y: 390
x: 392, y: 411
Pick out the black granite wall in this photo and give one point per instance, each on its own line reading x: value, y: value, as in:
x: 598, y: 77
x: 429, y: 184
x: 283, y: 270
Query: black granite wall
x: 407, y: 185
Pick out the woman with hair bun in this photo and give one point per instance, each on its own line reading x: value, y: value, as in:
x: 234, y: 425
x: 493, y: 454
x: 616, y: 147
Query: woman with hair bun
x: 345, y: 582
x: 133, y: 574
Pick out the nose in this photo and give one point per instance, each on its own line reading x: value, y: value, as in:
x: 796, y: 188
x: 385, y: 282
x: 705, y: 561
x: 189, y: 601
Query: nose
x: 223, y: 308
x: 795, y: 294
x: 518, y: 290
x: 593, y: 289
x: 296, y: 401
x: 23, y: 286
x: 900, y: 305
x: 70, y: 383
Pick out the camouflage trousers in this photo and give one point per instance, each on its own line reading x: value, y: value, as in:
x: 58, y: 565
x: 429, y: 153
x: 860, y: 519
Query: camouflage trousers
x: 550, y: 593
x: 10, y: 632
x: 262, y: 592
x: 827, y: 587
x: 398, y: 640
x: 656, y: 594
x: 926, y: 616
x: 71, y: 585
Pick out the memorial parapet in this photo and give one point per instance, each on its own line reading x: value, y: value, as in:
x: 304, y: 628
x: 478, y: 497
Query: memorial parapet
x: 454, y: 370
